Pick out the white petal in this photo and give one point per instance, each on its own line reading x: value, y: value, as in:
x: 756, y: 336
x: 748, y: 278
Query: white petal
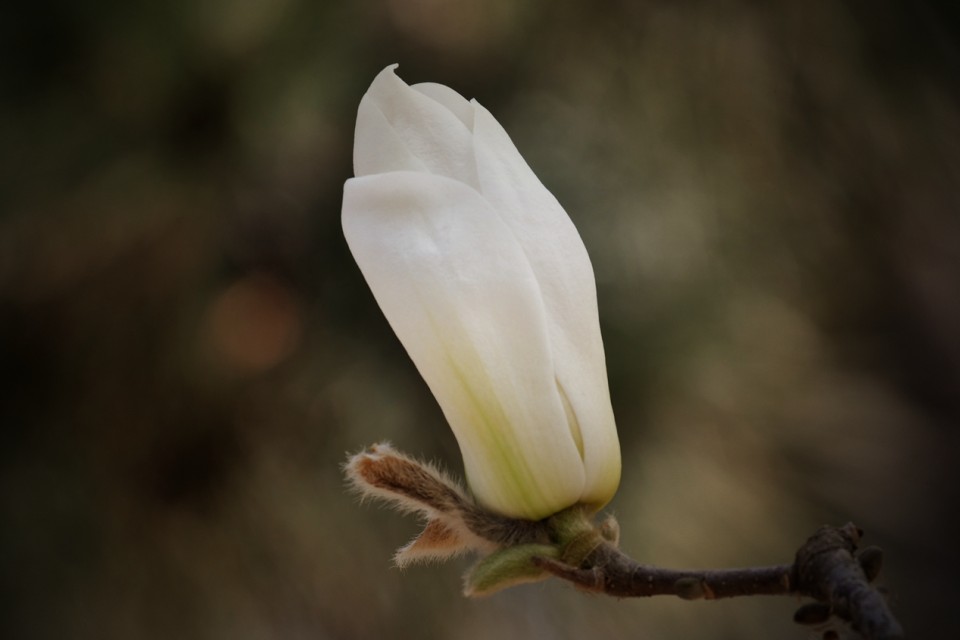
x: 377, y: 147
x: 456, y: 103
x: 427, y: 129
x: 565, y: 277
x: 458, y: 291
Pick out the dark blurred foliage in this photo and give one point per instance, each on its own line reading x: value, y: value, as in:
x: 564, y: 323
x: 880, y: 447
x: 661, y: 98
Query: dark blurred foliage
x: 771, y: 196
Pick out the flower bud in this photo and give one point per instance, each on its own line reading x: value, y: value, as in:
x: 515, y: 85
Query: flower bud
x: 486, y: 282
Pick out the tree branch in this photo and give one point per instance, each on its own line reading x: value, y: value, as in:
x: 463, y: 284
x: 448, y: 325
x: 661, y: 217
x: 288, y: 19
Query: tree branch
x: 824, y: 568
x: 572, y: 546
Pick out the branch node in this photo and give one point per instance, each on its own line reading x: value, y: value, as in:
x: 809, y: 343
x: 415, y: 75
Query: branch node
x: 690, y: 588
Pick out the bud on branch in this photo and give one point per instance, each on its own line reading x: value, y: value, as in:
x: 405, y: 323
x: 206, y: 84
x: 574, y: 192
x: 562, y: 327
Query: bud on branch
x: 489, y: 287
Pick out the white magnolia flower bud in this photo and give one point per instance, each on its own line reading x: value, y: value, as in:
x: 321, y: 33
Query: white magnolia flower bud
x: 486, y: 282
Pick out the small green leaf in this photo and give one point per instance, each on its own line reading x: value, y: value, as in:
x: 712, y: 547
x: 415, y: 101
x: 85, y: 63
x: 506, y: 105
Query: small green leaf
x: 506, y: 568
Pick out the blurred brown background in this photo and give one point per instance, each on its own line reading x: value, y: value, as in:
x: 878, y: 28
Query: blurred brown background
x: 770, y: 193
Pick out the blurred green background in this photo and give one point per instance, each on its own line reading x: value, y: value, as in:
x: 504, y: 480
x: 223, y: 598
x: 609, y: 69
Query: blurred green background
x: 770, y: 193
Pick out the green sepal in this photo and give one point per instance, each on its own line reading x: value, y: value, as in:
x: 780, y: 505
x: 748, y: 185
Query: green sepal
x: 506, y: 568
x: 569, y: 524
x: 579, y: 548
